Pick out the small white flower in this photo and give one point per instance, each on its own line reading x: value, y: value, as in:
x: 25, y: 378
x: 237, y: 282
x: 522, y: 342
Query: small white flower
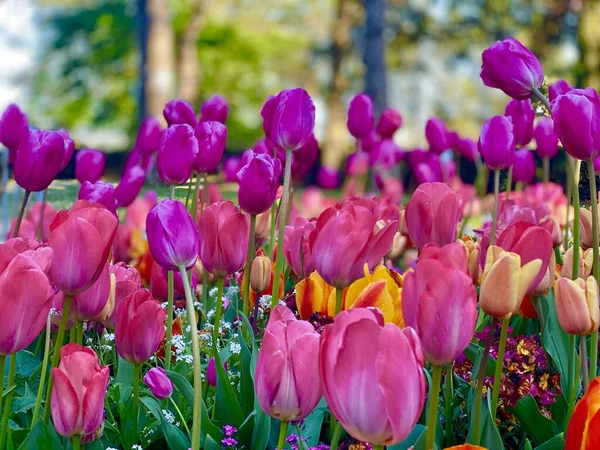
x: 164, y: 305
x: 136, y: 447
x: 109, y: 337
x: 281, y: 303
x: 235, y: 348
x: 213, y: 291
x: 265, y: 301
x: 169, y: 416
x: 210, y: 314
x: 233, y: 290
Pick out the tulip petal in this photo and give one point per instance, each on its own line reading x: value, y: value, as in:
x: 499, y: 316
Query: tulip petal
x: 93, y: 402
x: 376, y: 295
x: 309, y: 298
x: 64, y: 405
x: 305, y: 373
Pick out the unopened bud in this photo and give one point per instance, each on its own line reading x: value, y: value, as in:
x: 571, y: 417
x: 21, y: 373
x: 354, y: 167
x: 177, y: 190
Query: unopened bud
x: 260, y: 274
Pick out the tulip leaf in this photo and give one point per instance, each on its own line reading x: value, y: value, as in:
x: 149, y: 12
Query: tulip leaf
x: 489, y: 434
x: 313, y: 423
x: 528, y: 445
x: 556, y: 342
x: 23, y: 404
x: 411, y: 439
x: 42, y: 436
x: 246, y: 383
x: 176, y: 439
x: 533, y: 422
x: 228, y: 406
x: 210, y: 444
x: 27, y: 363
x: 262, y: 422
x: 556, y: 443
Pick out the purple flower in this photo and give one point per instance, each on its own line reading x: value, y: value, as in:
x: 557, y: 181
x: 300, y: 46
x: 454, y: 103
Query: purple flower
x: 524, y: 166
x: 497, y: 143
x: 328, y: 177
x: 99, y: 192
x: 522, y: 115
x: 211, y: 137
x: 177, y: 153
x: 215, y: 109
x: 89, y: 165
x: 304, y: 158
x: 467, y: 148
x: 361, y: 117
x: 259, y: 179
x: 148, y: 137
x: 69, y: 147
x: 13, y: 129
x: 231, y: 166
x: 229, y: 430
x: 179, y: 112
x: 130, y: 186
x: 437, y: 135
x: 38, y: 159
x: 159, y: 383
x: 557, y: 88
x: 545, y: 138
x: 389, y: 122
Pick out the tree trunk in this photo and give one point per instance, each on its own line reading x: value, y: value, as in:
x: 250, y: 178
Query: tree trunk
x: 589, y: 41
x: 142, y: 19
x: 188, y: 62
x: 374, y: 57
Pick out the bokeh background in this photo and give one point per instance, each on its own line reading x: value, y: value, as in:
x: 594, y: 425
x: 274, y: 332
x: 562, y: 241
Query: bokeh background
x: 98, y: 67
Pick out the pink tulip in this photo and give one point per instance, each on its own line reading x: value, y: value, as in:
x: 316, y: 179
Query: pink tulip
x: 159, y: 383
x: 81, y: 240
x: 34, y: 216
x: 89, y: 303
x: 432, y: 215
x: 287, y: 370
x: 296, y: 247
x: 27, y: 230
x: 372, y: 376
x: 211, y: 370
x: 80, y: 384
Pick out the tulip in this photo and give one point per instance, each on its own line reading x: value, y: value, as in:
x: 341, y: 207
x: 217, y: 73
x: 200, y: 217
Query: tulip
x: 211, y: 372
x: 357, y: 164
x: 432, y: 214
x: 524, y: 166
x: 130, y: 186
x: 100, y: 192
x: 223, y: 231
x: 296, y: 247
x: 473, y: 249
x: 312, y: 296
x: 582, y: 431
x: 259, y: 180
x: 522, y: 114
x: 89, y: 303
x: 13, y: 129
x: 211, y: 137
x: 389, y: 122
x: 140, y: 327
x: 545, y: 138
x: 586, y: 261
x: 585, y: 227
x: 497, y: 143
x: 467, y: 148
x: 148, y: 137
x: 42, y: 216
x: 231, y: 166
x: 260, y: 273
x: 69, y: 148
x: 172, y: 236
x: 577, y: 305
x: 25, y: 294
x: 437, y: 135
x: 177, y: 153
x: 304, y: 159
x: 81, y: 240
x: 382, y: 366
x: 511, y: 67
x: 89, y: 165
x: 38, y: 159
x: 361, y: 116
x: 557, y: 88
x: 328, y: 177
x: 159, y: 383
x: 347, y: 238
x: 287, y: 371
x: 505, y: 282
x: 215, y: 109
x: 577, y: 122
x: 289, y: 118
x: 466, y: 447
x: 179, y: 112
x: 27, y: 229
x: 80, y: 385
x: 439, y: 301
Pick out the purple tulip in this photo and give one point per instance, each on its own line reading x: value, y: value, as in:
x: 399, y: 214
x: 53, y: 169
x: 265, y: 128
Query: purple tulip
x: 211, y: 371
x: 231, y: 166
x: 328, y: 177
x: 511, y: 67
x: 259, y: 179
x: 428, y: 170
x: 89, y: 165
x: 437, y: 135
x: 289, y: 118
x: 172, y: 235
x: 149, y: 136
x: 99, y: 192
x: 177, y: 154
x: 137, y: 158
x: 370, y: 142
x: 597, y: 164
x: 159, y: 383
x: 389, y: 122
x: 69, y: 148
x: 211, y: 137
x: 385, y: 155
x: 361, y: 117
x: 38, y: 159
x: 522, y: 115
x: 179, y: 112
x: 545, y: 138
x: 215, y: 109
x: 130, y: 186
x: 358, y: 163
x: 304, y: 158
x: 467, y: 148
x: 557, y: 88
x: 265, y: 146
x: 497, y: 143
x: 524, y: 166
x: 577, y: 122
x: 13, y: 129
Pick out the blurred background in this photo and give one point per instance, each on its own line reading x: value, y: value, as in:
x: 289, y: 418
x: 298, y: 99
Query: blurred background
x: 98, y: 67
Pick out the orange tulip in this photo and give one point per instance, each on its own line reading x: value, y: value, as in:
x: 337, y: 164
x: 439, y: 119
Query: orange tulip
x: 583, y: 432
x: 577, y: 305
x: 472, y: 248
x: 586, y: 260
x: 466, y: 447
x: 312, y: 295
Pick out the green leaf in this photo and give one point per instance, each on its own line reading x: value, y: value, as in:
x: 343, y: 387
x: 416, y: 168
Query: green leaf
x: 262, y: 429
x: 556, y: 443
x: 533, y: 422
x: 125, y: 372
x: 42, y: 437
x: 313, y: 424
x: 528, y: 445
x: 246, y: 383
x: 489, y: 434
x: 27, y: 363
x: 176, y: 439
x: 210, y: 444
x: 556, y: 342
x: 228, y: 406
x: 23, y: 404
x: 411, y: 439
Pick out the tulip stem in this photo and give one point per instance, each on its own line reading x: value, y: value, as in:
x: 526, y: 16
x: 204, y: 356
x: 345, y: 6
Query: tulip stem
x: 2, y: 365
x: 272, y: 225
x: 183, y: 422
x: 40, y: 230
x: 79, y: 332
x: 448, y: 394
x: 136, y: 398
x: 76, y: 442
x: 335, y: 439
x: 546, y: 175
x: 282, y: 219
x: 434, y: 395
x: 576, y: 227
x: 249, y: 258
x: 584, y: 362
x: 219, y: 312
x: 169, y: 320
x: 378, y: 447
x: 596, y: 252
x: 40, y: 393
x: 283, y: 429
x: 338, y: 300
x: 60, y: 337
x: 191, y: 312
x: 509, y: 182
x: 574, y: 378
x: 541, y: 97
x: 12, y: 369
x: 480, y: 376
x: 495, y: 210
x: 21, y: 214
x: 499, y: 367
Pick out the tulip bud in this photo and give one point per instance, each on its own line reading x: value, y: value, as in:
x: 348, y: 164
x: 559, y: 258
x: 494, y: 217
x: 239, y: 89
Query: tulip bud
x: 132, y: 182
x: 177, y: 153
x: 467, y: 148
x: 13, y: 129
x: 328, y: 177
x: 577, y: 305
x: 259, y: 179
x: 545, y: 138
x: 389, y: 122
x: 215, y: 109
x: 260, y: 274
x: 586, y: 261
x: 582, y: 429
x: 211, y: 137
x: 437, y: 135
x: 211, y: 371
x: 148, y: 137
x: 524, y: 166
x: 398, y: 246
x: 522, y: 116
x: 550, y: 224
x: 360, y: 116
x: 231, y: 166
x: 179, y: 112
x: 557, y: 88
x: 548, y: 280
x: 89, y: 165
x: 472, y: 248
x: 296, y: 247
x: 586, y: 229
x: 38, y: 159
x: 497, y: 143
x: 99, y: 192
x: 159, y: 383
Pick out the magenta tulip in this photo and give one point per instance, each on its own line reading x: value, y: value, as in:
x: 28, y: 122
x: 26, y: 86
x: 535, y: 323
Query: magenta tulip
x: 148, y: 137
x: 296, y: 247
x: 89, y: 165
x: 80, y: 385
x: 259, y: 180
x: 304, y: 159
x: 440, y: 302
x: 328, y: 177
x: 557, y: 88
x: 223, y: 231
x: 177, y: 153
x: 89, y: 303
x: 38, y: 159
x: 522, y: 115
x: 99, y: 192
x: 389, y: 122
x: 81, y: 240
x: 34, y: 215
x: 211, y: 369
x: 437, y: 135
x: 287, y: 370
x: 524, y: 166
x: 131, y: 184
x: 511, y: 67
x: 467, y: 148
x: 361, y: 116
x: 13, y: 129
x: 69, y: 148
x: 140, y: 327
x: 126, y: 281
x: 432, y: 215
x: 172, y: 235
x: 215, y: 109
x: 545, y: 138
x: 159, y: 383
x: 231, y: 167
x: 358, y: 163
x: 211, y: 137
x: 497, y: 143
x: 178, y: 112
x: 382, y: 366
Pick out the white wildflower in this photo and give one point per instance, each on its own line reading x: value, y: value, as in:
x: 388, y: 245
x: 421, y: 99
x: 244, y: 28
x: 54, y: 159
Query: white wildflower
x: 235, y: 347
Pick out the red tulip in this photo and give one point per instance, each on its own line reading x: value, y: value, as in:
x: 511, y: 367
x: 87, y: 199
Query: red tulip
x: 583, y: 431
x: 87, y: 304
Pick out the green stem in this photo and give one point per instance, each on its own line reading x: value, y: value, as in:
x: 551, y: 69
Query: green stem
x: 569, y: 165
x: 194, y: 206
x: 499, y: 367
x: 448, y: 415
x: 180, y: 415
x: 41, y: 224
x: 189, y: 300
x: 20, y: 216
x: 79, y: 332
x: 2, y: 365
x: 378, y: 447
x: 596, y: 252
x: 219, y: 312
x: 12, y: 369
x: 60, y: 337
x: 189, y: 192
x: 542, y: 98
x: 434, y: 394
x: 495, y: 210
x: 279, y: 261
x: 205, y: 201
x: 584, y: 362
x: 574, y: 378
x: 76, y: 442
x: 509, y: 182
x: 338, y: 300
x: 335, y: 439
x: 40, y: 393
x: 537, y: 301
x: 283, y: 428
x: 545, y: 174
x: 136, y: 397
x: 576, y: 227
x: 249, y: 259
x: 170, y: 289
